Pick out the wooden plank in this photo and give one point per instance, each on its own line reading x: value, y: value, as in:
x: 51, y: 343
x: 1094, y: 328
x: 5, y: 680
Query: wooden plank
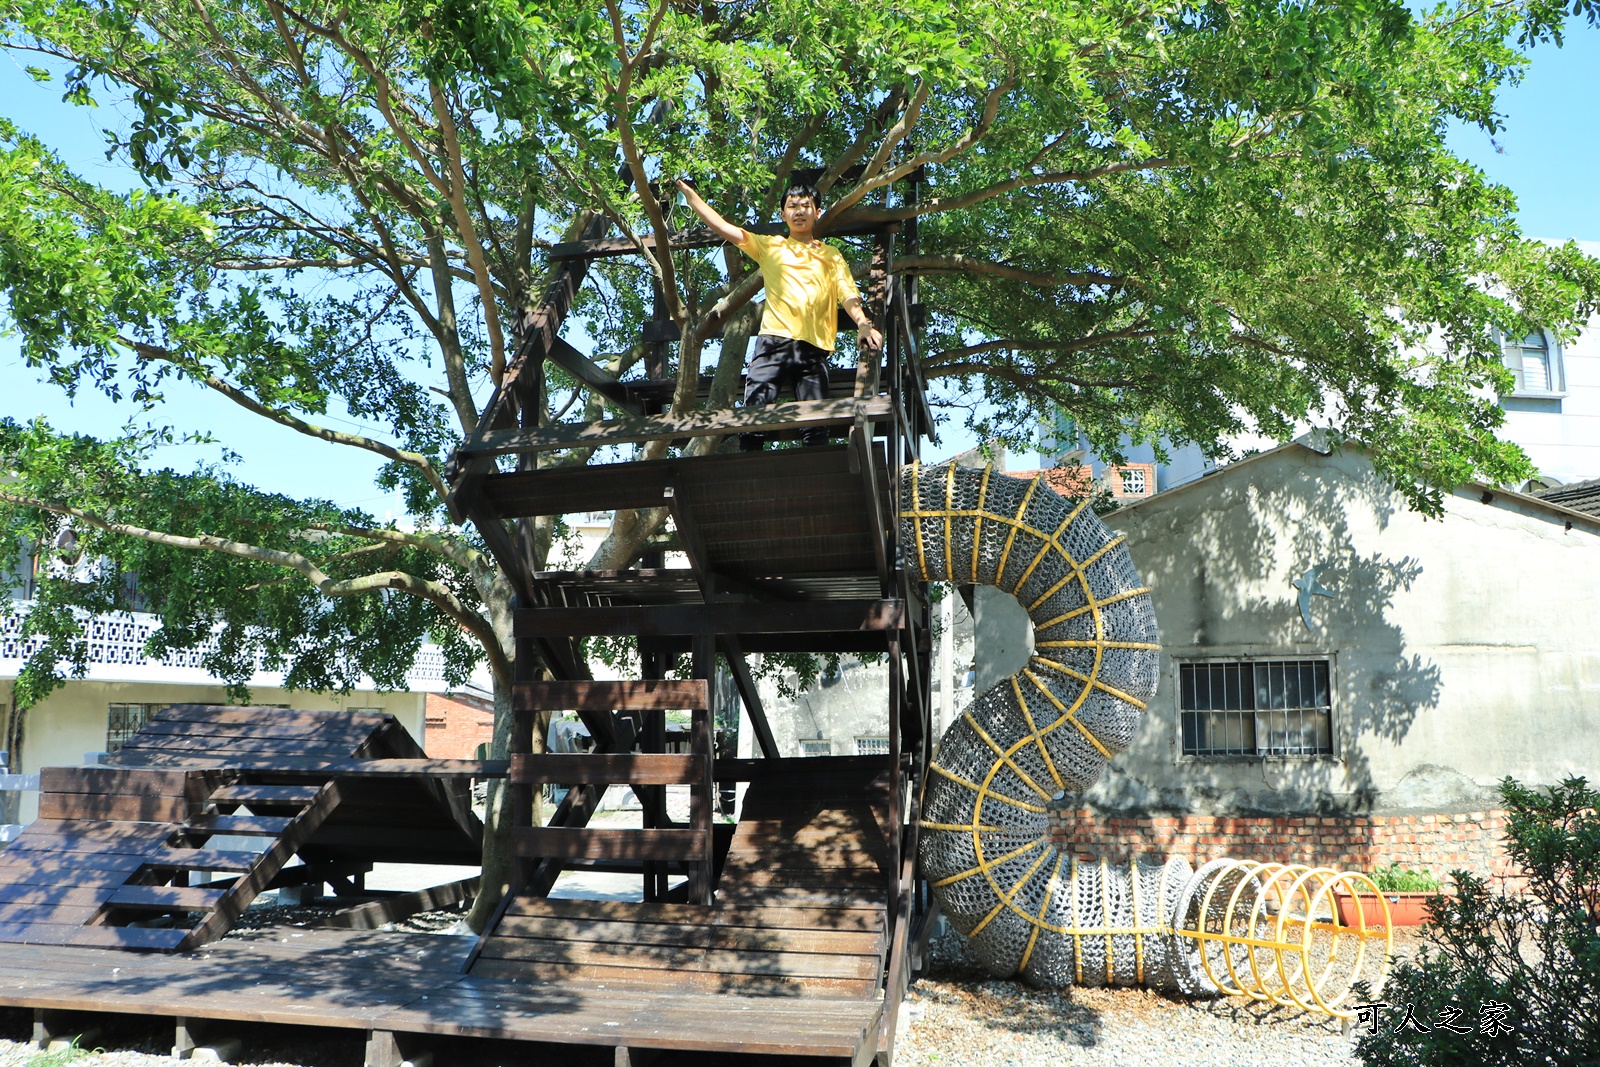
x: 229, y: 713
x: 673, y: 694
x: 402, y: 906
x: 324, y: 768
x: 679, y: 959
x: 865, y: 919
x: 589, y: 842
x: 793, y: 415
x: 130, y: 937
x: 355, y: 732
x: 608, y: 767
x: 201, y: 859
x: 221, y: 748
x: 56, y: 914
x: 18, y: 893
x: 692, y: 935
x: 112, y: 806
x: 812, y: 617
x: 113, y: 780
x: 634, y: 978
x: 238, y: 825
x: 167, y: 897
x: 278, y: 795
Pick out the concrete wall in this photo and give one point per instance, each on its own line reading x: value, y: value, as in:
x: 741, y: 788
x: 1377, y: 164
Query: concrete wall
x: 71, y: 722
x: 1562, y: 434
x: 1463, y: 648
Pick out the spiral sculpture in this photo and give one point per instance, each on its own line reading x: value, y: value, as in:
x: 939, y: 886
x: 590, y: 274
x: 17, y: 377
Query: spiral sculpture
x: 1001, y: 787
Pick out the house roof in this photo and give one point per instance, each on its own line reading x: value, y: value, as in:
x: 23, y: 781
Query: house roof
x: 1579, y: 496
x: 1316, y: 442
x: 1068, y: 481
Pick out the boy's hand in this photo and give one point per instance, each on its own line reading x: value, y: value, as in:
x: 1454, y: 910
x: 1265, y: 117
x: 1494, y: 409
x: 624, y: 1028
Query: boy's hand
x: 869, y: 336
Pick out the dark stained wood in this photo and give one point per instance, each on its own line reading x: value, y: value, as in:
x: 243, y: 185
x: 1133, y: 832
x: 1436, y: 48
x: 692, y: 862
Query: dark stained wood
x: 277, y: 795
x: 674, y: 694
x: 596, y: 843
x: 402, y: 906
x: 612, y: 768
x: 168, y: 897
x: 823, y: 617
x: 794, y: 415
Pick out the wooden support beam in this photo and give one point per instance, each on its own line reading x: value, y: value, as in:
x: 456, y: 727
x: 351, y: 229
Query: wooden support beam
x: 666, y: 694
x: 794, y: 415
x: 402, y: 906
x: 592, y: 375
x: 612, y: 768
x: 733, y: 650
x: 795, y: 617
x: 592, y: 843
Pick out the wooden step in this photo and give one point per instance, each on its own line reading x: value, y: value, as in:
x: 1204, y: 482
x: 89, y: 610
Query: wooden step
x: 609, y: 768
x: 201, y: 859
x: 168, y: 897
x: 672, y: 694
x: 238, y: 825
x: 155, y: 939
x: 605, y: 844
x: 270, y: 795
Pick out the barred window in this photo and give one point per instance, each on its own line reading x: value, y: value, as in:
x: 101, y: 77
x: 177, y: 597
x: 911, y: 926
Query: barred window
x: 872, y: 746
x: 124, y: 720
x: 820, y: 747
x: 1133, y: 483
x: 1259, y: 708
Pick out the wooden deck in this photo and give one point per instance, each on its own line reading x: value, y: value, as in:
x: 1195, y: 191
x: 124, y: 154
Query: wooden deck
x: 386, y: 984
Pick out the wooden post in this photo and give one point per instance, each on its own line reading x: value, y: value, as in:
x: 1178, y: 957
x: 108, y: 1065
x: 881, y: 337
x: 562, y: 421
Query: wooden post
x: 702, y: 745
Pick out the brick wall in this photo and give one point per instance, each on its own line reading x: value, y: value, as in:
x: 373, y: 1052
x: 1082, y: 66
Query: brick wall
x: 1472, y: 841
x: 456, y: 725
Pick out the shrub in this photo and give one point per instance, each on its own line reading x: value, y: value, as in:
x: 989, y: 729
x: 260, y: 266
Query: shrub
x: 1397, y: 879
x: 1509, y: 980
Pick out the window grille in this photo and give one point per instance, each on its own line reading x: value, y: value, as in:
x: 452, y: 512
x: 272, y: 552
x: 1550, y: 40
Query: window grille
x: 821, y: 747
x: 872, y: 746
x: 1133, y: 482
x: 1260, y: 708
x: 123, y: 721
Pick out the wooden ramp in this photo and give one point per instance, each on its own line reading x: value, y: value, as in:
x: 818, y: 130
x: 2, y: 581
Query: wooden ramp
x: 202, y: 810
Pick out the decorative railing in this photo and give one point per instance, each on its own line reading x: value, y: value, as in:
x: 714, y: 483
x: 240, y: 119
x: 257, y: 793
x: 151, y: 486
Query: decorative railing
x: 118, y: 639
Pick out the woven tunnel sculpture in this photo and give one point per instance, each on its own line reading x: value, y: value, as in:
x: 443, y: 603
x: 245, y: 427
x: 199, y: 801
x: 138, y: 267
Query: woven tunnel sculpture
x: 1001, y: 790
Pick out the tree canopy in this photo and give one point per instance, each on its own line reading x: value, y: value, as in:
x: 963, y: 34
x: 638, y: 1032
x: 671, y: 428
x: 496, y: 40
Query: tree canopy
x: 1175, y: 220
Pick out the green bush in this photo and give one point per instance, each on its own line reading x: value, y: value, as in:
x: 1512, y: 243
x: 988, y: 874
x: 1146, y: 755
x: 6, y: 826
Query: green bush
x: 1507, y: 980
x: 1397, y: 879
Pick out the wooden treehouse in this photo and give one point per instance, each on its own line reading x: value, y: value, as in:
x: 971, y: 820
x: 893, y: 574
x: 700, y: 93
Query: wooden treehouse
x: 791, y: 932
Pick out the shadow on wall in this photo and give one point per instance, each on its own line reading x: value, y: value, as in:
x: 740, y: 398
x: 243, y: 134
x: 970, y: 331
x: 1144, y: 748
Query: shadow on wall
x: 1220, y: 558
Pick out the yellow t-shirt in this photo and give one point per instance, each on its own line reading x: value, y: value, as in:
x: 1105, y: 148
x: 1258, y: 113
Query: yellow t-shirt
x: 806, y: 284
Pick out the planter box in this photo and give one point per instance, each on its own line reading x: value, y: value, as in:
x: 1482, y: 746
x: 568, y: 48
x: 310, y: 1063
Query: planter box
x: 1405, y: 909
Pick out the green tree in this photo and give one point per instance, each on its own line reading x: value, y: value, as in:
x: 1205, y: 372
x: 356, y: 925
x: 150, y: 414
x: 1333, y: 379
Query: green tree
x: 1175, y: 220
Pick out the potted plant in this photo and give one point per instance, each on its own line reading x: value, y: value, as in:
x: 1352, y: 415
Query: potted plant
x: 1405, y: 890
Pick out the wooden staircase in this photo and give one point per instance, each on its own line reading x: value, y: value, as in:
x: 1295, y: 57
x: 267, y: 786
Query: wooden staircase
x: 110, y: 860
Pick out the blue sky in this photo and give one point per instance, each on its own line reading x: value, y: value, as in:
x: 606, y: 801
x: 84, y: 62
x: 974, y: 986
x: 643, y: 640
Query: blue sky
x: 1548, y: 154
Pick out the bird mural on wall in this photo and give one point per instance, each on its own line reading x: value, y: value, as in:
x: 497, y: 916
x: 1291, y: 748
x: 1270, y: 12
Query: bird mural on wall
x: 1309, y: 586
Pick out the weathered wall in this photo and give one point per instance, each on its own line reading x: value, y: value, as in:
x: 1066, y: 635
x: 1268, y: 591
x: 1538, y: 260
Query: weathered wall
x: 1463, y: 648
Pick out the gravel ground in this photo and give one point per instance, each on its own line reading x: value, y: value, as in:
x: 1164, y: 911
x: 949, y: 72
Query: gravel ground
x: 957, y: 1015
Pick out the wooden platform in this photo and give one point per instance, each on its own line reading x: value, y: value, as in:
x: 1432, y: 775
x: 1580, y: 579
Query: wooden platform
x: 384, y: 984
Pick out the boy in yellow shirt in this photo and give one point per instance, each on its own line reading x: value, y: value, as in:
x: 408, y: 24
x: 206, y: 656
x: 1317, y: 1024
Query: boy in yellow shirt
x: 805, y: 281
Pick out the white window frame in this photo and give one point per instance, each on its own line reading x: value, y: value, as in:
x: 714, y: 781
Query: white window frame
x: 871, y: 745
x: 1256, y: 751
x: 1515, y: 353
x: 816, y: 746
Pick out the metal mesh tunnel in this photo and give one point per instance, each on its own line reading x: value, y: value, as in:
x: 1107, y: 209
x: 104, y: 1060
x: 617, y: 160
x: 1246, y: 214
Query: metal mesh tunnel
x: 1001, y: 785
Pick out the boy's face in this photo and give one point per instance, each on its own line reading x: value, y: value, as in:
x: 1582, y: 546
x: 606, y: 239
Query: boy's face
x: 799, y: 214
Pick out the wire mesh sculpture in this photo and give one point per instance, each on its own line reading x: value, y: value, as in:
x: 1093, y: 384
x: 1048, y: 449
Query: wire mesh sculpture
x: 1001, y: 786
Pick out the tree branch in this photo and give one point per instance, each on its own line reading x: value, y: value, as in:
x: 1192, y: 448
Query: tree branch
x: 963, y: 264
x: 431, y: 591
x: 456, y: 194
x: 283, y: 418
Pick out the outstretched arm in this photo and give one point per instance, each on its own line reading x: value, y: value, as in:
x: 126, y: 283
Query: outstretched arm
x: 719, y: 225
x: 867, y: 332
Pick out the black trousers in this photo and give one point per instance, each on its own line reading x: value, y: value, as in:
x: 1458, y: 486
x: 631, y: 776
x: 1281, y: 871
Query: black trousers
x: 779, y: 363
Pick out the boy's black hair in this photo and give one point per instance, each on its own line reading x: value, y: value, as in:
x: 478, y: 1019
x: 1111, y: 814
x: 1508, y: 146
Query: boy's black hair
x: 803, y: 189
